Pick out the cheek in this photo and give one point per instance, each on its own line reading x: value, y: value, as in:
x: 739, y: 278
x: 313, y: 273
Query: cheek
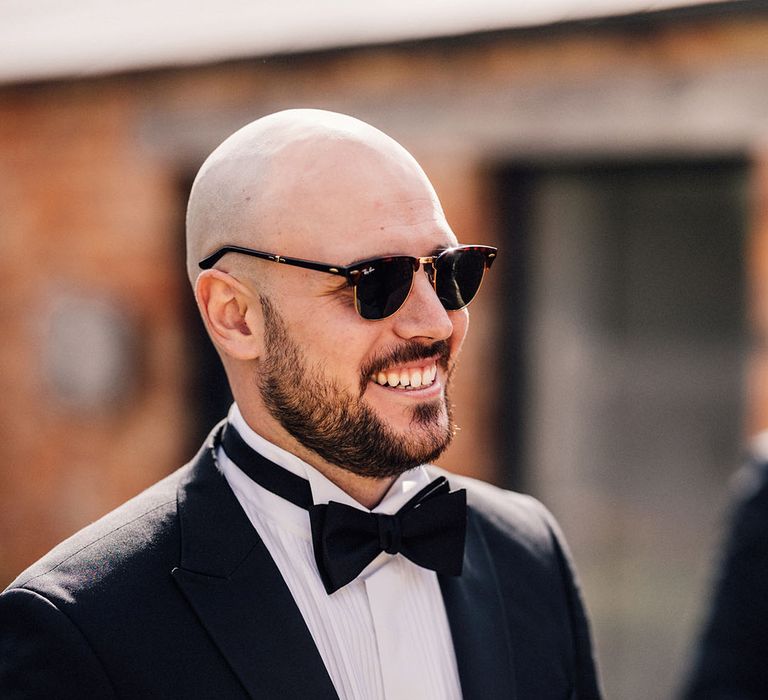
x: 340, y: 349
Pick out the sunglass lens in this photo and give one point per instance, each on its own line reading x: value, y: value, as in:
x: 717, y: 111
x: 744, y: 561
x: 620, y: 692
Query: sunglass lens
x: 459, y: 274
x: 384, y: 286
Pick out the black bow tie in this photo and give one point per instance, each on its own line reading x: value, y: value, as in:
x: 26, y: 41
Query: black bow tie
x: 429, y: 529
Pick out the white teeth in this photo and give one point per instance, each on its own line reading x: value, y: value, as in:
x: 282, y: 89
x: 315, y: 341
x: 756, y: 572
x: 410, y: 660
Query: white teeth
x: 413, y: 378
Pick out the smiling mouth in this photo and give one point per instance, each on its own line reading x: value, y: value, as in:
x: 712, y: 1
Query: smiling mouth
x: 407, y: 378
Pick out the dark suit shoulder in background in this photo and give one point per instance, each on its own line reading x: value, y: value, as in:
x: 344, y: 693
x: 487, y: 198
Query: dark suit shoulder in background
x: 732, y: 660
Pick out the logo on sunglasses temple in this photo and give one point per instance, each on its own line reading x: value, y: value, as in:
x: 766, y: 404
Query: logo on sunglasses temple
x: 367, y: 270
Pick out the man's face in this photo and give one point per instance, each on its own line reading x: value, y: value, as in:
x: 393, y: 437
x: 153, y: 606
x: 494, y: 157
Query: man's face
x: 340, y: 425
x: 368, y: 396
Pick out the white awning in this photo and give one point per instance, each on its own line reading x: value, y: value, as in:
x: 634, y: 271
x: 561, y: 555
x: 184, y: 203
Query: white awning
x: 44, y: 39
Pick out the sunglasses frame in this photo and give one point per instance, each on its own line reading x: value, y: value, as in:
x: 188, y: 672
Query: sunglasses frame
x: 355, y: 272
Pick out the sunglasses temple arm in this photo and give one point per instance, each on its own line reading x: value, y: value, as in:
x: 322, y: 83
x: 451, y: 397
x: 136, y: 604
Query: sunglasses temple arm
x: 211, y: 260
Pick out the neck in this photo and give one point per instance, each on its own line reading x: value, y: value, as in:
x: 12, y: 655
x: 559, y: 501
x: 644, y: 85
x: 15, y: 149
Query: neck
x: 367, y: 491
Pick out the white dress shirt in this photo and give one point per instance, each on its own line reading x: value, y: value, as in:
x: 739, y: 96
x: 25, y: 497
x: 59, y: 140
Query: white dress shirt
x: 383, y: 636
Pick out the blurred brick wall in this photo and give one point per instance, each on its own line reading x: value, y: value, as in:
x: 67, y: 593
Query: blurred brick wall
x: 82, y: 215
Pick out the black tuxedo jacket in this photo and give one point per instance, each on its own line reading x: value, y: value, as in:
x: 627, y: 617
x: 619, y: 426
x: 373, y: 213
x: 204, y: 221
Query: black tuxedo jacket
x: 174, y: 595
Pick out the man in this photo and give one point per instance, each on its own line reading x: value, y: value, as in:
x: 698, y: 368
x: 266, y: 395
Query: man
x: 730, y: 658
x: 257, y: 570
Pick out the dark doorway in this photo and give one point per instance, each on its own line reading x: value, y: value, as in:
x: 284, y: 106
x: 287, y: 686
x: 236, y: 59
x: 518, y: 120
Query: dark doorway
x: 630, y: 388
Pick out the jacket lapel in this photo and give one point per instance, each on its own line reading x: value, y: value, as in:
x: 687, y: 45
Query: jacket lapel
x: 238, y: 593
x: 477, y: 620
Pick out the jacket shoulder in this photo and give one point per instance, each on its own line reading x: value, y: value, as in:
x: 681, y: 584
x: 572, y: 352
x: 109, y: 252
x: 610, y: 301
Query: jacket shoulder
x: 145, y: 522
x: 516, y: 515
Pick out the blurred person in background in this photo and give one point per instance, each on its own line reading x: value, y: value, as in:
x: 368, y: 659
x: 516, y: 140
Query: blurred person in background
x: 309, y: 550
x: 732, y: 658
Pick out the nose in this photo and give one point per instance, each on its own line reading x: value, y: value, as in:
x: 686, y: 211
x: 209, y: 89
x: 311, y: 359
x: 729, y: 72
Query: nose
x: 422, y: 315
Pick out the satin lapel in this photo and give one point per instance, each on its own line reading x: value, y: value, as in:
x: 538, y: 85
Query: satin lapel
x: 478, y: 623
x: 240, y: 597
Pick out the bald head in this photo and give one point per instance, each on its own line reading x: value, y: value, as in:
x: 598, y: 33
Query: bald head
x: 297, y: 350
x: 291, y: 177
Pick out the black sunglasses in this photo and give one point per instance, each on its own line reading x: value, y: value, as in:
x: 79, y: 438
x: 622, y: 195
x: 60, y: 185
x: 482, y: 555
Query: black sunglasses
x: 381, y: 285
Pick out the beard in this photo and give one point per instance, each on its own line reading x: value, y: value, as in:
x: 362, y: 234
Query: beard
x: 340, y: 426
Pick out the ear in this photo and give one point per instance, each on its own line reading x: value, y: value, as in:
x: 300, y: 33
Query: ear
x: 232, y: 314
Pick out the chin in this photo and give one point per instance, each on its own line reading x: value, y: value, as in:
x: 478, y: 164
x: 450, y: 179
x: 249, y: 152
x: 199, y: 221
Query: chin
x: 423, y: 418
